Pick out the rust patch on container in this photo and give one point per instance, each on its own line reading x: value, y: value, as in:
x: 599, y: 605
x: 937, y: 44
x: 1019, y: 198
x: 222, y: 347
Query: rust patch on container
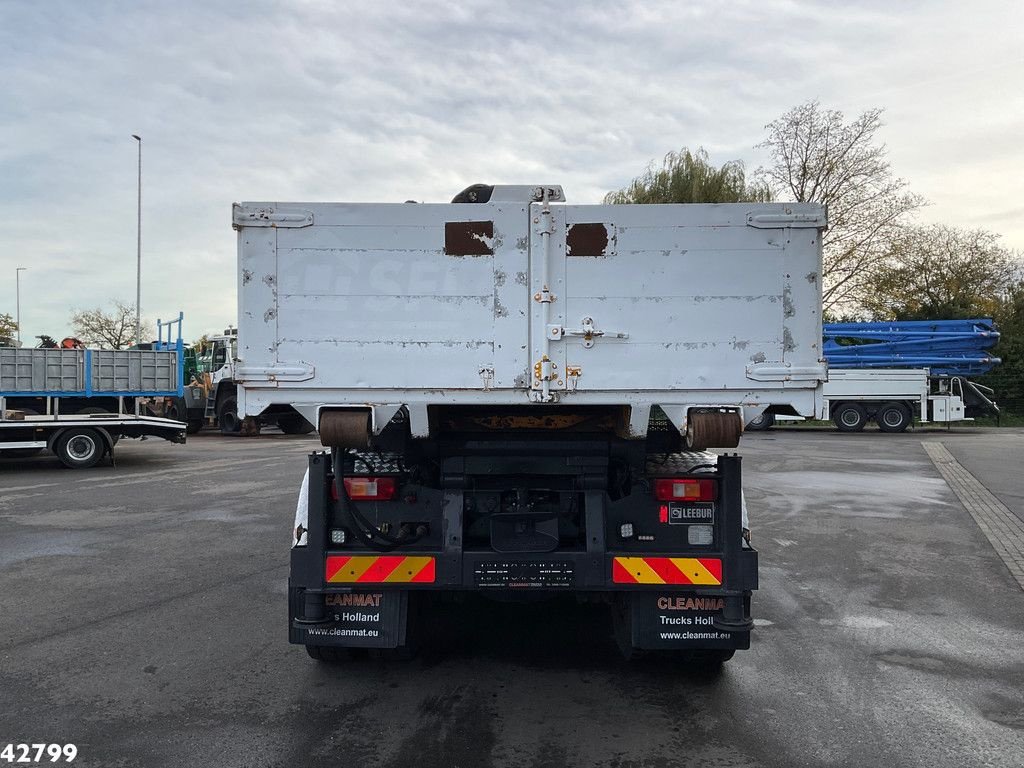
x: 586, y: 240
x: 469, y: 238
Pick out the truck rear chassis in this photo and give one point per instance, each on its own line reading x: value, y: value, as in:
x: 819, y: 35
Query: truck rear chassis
x: 508, y: 517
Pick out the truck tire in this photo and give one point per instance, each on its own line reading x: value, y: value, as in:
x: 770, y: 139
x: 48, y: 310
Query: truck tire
x: 227, y: 416
x: 329, y: 654
x: 849, y: 417
x: 194, y: 425
x: 80, y: 448
x: 762, y: 423
x: 893, y: 417
x: 712, y: 658
x: 294, y: 424
x: 176, y: 410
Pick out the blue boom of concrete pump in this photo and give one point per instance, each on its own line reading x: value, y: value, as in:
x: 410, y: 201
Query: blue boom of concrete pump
x: 945, y: 347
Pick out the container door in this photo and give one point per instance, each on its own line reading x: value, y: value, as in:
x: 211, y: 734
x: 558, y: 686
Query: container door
x: 660, y: 297
x: 390, y: 297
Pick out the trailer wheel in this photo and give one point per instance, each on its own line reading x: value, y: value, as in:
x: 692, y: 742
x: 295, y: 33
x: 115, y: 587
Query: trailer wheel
x: 176, y: 410
x: 712, y: 658
x: 893, y: 417
x: 329, y: 654
x: 80, y: 448
x: 227, y: 416
x: 763, y: 422
x: 849, y: 417
x: 294, y: 424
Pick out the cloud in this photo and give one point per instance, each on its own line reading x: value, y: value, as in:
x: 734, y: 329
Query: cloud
x: 378, y: 101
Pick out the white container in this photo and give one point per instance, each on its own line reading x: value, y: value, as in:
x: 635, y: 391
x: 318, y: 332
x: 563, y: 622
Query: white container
x: 522, y: 302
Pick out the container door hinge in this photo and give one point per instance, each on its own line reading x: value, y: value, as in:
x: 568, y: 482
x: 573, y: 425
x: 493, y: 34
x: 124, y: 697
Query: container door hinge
x: 572, y: 377
x: 487, y: 377
x: 270, y: 217
x: 810, y: 217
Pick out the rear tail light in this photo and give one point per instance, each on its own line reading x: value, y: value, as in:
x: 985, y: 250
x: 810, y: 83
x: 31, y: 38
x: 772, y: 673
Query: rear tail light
x: 367, y: 488
x: 684, y: 489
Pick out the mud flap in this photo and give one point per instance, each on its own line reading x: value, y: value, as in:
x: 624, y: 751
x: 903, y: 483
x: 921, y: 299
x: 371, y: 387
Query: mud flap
x: 351, y: 619
x: 673, y: 621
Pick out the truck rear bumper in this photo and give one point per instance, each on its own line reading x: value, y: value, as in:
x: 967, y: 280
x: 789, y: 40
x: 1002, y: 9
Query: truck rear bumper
x: 557, y: 572
x: 363, y: 600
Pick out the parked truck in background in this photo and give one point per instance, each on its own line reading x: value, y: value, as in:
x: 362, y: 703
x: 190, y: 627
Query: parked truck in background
x: 209, y: 397
x: 216, y: 363
x: 517, y: 397
x: 892, y: 373
x: 79, y: 402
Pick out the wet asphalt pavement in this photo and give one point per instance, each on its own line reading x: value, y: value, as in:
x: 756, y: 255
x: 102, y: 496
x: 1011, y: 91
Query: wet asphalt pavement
x: 143, y: 618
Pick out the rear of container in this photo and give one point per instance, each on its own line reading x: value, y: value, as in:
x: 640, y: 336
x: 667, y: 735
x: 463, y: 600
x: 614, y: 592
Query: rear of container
x: 516, y: 397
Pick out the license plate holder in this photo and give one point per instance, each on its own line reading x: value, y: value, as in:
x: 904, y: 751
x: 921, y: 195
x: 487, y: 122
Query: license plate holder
x: 520, y: 574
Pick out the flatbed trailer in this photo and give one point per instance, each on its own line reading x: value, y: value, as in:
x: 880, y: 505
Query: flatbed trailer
x: 517, y: 397
x: 80, y: 441
x: 78, y: 403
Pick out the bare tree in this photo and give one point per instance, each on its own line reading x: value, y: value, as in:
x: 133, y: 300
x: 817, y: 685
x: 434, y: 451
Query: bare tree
x: 690, y: 177
x: 114, y: 329
x: 944, y: 273
x: 816, y: 157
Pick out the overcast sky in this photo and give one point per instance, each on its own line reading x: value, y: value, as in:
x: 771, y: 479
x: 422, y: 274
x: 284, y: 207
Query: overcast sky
x: 380, y: 101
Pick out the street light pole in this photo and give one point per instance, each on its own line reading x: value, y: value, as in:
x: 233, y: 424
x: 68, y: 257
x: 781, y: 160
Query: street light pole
x: 138, y: 254
x: 17, y: 300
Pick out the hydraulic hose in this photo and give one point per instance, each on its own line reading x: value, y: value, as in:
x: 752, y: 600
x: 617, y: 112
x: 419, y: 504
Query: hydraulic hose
x: 364, y: 529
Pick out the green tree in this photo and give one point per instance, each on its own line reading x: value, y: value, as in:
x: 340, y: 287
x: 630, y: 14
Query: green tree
x: 939, y: 272
x: 818, y: 157
x: 690, y: 177
x: 1007, y: 379
x: 8, y: 329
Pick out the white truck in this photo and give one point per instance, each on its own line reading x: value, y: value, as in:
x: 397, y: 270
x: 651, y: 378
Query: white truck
x: 892, y: 398
x: 517, y: 396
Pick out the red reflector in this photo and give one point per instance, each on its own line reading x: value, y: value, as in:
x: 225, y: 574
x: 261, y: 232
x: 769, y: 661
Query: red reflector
x: 370, y: 488
x: 663, y: 513
x: 684, y: 489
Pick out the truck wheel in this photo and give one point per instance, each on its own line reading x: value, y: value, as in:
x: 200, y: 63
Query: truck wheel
x: 893, y: 417
x: 763, y: 422
x: 294, y: 424
x: 712, y: 658
x: 194, y: 425
x: 849, y: 417
x: 329, y: 654
x: 176, y: 410
x: 80, y: 448
x: 227, y: 416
